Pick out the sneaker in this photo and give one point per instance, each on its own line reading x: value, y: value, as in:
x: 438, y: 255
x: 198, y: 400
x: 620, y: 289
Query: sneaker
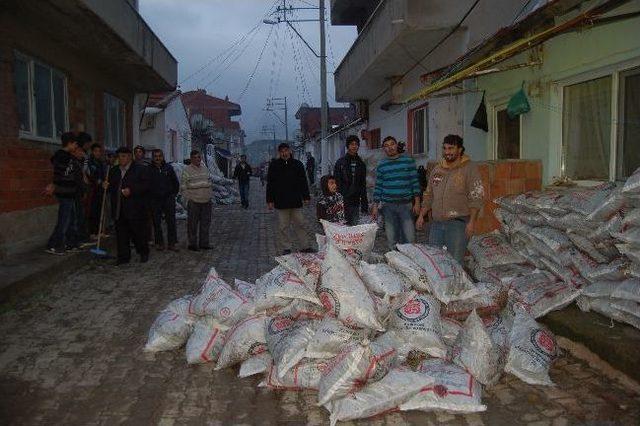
x: 193, y: 248
x: 87, y: 244
x: 70, y: 249
x: 55, y: 251
x: 173, y: 248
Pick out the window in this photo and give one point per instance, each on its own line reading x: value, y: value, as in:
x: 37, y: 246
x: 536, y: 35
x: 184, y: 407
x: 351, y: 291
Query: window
x: 586, y: 129
x: 629, y: 123
x: 420, y: 131
x: 374, y: 138
x: 507, y: 135
x: 41, y: 93
x: 113, y: 121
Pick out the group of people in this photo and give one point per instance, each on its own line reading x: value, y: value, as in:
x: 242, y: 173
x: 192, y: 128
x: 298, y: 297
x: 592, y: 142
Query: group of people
x: 449, y: 201
x: 141, y: 195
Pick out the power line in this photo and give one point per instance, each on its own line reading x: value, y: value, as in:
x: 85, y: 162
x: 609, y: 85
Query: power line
x: 255, y: 68
x: 298, y: 67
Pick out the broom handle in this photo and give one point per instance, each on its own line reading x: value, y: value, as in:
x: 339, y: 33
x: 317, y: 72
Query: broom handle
x: 104, y: 200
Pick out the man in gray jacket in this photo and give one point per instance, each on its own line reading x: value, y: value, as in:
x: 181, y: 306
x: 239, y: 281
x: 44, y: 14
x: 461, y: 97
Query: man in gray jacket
x: 196, y: 189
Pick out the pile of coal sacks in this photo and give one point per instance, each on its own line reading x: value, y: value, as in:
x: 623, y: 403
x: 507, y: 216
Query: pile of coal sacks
x: 560, y: 245
x: 407, y: 330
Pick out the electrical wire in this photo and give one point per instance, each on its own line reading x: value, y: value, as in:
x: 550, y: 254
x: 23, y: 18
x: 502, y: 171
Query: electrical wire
x: 255, y: 68
x: 298, y: 67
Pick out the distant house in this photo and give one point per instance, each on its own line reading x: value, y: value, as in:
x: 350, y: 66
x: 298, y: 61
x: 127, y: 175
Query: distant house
x: 62, y: 64
x: 165, y: 126
x: 309, y: 134
x: 214, y: 115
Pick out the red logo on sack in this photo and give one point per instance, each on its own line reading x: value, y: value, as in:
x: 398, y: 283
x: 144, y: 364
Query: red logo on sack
x: 278, y: 324
x: 546, y: 341
x: 225, y: 312
x: 440, y: 390
x: 489, y: 242
x: 413, y: 310
x: 329, y: 301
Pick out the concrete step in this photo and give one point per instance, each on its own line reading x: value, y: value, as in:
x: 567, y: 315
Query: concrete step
x: 619, y: 345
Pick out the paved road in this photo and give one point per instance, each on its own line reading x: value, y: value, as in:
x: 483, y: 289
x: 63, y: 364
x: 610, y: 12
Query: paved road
x: 72, y: 354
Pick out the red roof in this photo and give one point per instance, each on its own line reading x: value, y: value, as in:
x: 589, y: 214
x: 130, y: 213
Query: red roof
x: 310, y: 118
x: 162, y: 99
x: 215, y: 109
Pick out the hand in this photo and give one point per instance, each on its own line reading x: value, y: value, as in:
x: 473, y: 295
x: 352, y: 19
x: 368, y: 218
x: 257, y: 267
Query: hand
x: 270, y: 206
x: 306, y: 202
x: 49, y: 189
x: 374, y: 212
x: 126, y: 192
x: 420, y: 222
x: 470, y: 228
x: 105, y: 185
x: 416, y: 209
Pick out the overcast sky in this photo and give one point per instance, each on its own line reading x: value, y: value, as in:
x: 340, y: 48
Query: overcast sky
x: 198, y: 31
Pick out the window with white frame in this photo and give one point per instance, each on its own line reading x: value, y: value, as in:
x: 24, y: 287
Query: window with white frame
x: 507, y: 135
x: 420, y: 131
x: 41, y: 94
x: 601, y: 126
x: 114, y: 121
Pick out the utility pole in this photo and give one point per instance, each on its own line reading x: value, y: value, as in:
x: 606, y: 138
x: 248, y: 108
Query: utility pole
x: 279, y: 104
x: 323, y: 96
x: 281, y: 16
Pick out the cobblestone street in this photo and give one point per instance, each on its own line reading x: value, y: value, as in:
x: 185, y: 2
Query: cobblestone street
x: 72, y: 353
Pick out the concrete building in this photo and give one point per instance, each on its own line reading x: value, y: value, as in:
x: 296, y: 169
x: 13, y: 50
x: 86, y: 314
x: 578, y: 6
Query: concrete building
x: 165, y: 126
x: 65, y: 63
x: 405, y: 48
x: 213, y: 116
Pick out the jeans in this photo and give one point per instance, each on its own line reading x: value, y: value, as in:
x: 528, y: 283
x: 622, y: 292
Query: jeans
x: 65, y: 233
x: 291, y: 219
x: 244, y: 193
x: 164, y: 206
x: 398, y: 224
x: 352, y: 213
x: 198, y: 222
x: 450, y: 234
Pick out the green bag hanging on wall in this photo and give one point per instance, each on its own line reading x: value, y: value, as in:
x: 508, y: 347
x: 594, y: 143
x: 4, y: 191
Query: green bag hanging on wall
x: 518, y: 104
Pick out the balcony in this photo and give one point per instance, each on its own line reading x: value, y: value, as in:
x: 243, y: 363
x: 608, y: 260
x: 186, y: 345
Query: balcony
x: 110, y: 35
x: 394, y: 35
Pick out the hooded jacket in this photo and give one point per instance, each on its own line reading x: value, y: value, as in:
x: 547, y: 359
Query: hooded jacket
x: 351, y: 177
x: 67, y: 174
x: 453, y: 190
x: 287, y: 184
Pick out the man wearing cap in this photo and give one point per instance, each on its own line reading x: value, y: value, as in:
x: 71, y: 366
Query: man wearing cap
x: 453, y: 199
x: 128, y: 187
x: 287, y: 190
x: 351, y: 177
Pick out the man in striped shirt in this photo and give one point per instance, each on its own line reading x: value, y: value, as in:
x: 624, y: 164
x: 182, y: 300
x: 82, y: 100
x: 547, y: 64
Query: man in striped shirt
x: 398, y: 189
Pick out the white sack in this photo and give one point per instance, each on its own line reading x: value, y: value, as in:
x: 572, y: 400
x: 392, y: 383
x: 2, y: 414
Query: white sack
x: 257, y: 364
x: 330, y: 337
x: 492, y: 250
x: 305, y: 266
x: 409, y: 269
x: 244, y: 340
x: 304, y: 375
x: 287, y: 341
x: 206, y: 341
x: 355, y: 241
x: 381, y: 278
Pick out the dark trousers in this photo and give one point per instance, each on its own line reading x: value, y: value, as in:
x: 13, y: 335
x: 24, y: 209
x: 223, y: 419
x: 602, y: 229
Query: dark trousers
x: 198, y: 221
x: 164, y: 206
x: 244, y: 193
x: 131, y: 229
x: 82, y: 234
x: 352, y: 213
x: 65, y: 233
x: 95, y: 208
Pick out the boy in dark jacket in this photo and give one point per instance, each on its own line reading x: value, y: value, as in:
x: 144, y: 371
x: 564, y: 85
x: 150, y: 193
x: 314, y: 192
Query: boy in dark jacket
x: 351, y: 177
x: 243, y: 173
x: 67, y: 178
x: 164, y: 188
x: 287, y: 189
x: 330, y: 206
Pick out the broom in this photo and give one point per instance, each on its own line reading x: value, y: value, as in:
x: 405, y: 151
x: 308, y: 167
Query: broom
x: 97, y: 250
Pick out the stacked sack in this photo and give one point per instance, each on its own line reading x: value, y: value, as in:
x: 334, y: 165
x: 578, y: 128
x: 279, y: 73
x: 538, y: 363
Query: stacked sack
x: 556, y: 246
x: 408, y: 330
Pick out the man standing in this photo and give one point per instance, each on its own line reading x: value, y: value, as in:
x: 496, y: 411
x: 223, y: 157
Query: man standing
x: 128, y: 186
x: 351, y: 176
x: 311, y: 169
x: 139, y: 157
x: 398, y: 190
x: 454, y: 197
x: 243, y: 173
x: 67, y: 175
x: 196, y: 189
x: 139, y: 153
x: 164, y: 188
x: 287, y: 189
x: 96, y: 173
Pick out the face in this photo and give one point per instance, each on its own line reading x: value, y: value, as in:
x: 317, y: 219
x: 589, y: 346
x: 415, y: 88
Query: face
x: 196, y: 160
x: 158, y: 157
x: 353, y: 148
x: 451, y: 153
x: 111, y: 159
x: 243, y: 158
x: 285, y: 153
x: 97, y: 152
x: 332, y: 185
x: 124, y: 158
x: 139, y: 154
x: 390, y: 147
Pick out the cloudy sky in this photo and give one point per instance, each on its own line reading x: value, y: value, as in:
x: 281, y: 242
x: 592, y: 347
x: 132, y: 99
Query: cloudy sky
x: 218, y: 44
